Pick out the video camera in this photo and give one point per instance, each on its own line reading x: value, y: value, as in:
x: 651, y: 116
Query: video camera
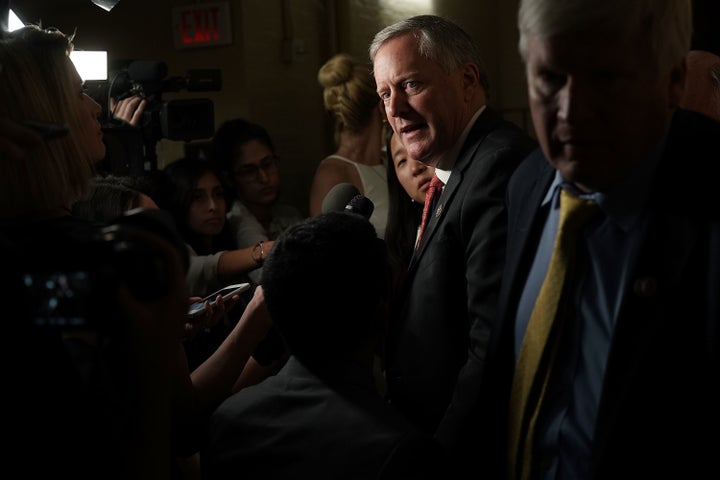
x: 178, y: 119
x: 175, y: 119
x: 79, y: 291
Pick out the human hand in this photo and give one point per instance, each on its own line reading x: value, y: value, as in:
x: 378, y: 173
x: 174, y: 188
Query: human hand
x: 256, y: 312
x: 213, y: 313
x: 129, y: 109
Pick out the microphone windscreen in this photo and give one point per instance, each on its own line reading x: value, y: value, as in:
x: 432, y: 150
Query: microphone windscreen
x: 338, y: 197
x: 361, y: 205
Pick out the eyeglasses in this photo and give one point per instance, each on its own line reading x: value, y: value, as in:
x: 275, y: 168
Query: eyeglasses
x: 250, y: 172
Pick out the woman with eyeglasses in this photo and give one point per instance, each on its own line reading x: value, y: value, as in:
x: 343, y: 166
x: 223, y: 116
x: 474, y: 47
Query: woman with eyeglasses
x: 244, y: 153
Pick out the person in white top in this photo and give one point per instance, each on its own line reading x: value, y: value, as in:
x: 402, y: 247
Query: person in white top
x: 349, y: 95
x: 244, y: 152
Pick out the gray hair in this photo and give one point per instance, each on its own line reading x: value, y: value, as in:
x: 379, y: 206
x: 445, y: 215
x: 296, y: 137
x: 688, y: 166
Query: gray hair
x: 439, y: 40
x: 667, y: 23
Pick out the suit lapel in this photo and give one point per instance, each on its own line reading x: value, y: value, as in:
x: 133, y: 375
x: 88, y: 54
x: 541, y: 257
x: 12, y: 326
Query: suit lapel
x: 484, y: 124
x: 524, y: 223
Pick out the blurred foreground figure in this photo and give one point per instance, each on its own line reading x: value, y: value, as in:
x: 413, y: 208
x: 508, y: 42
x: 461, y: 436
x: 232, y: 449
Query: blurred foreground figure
x: 623, y: 381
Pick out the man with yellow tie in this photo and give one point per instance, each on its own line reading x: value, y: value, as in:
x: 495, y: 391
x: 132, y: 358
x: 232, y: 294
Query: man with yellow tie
x: 604, y: 362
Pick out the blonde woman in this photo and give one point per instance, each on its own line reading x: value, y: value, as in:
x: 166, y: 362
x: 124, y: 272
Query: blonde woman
x: 350, y: 97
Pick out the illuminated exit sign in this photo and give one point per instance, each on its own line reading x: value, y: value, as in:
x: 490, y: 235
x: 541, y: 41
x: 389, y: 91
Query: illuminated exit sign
x: 202, y: 25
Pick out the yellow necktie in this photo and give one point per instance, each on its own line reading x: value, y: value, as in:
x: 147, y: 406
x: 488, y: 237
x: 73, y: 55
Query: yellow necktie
x: 535, y: 360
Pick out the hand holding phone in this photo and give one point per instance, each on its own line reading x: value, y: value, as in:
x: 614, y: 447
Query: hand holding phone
x: 198, y: 308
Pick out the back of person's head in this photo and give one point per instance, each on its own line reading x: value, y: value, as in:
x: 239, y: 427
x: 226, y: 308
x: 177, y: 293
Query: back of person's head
x: 106, y: 203
x: 666, y: 24
x: 36, y: 83
x: 325, y: 282
x: 440, y: 41
x: 148, y: 183
x: 349, y: 92
x: 231, y: 135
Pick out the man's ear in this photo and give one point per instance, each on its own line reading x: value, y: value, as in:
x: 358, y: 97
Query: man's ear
x: 470, y: 79
x: 676, y: 83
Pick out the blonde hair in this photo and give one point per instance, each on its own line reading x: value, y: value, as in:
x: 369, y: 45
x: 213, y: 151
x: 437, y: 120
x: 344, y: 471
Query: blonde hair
x: 37, y: 83
x: 349, y: 93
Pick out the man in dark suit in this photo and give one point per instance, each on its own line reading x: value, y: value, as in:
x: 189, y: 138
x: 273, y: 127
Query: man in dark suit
x: 633, y: 388
x: 434, y: 87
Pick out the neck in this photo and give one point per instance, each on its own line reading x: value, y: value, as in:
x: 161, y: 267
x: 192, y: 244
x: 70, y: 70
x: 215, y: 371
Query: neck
x: 363, y: 147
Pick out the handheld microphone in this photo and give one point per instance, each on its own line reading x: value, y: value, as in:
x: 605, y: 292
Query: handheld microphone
x: 338, y: 197
x: 345, y: 197
x: 360, y: 205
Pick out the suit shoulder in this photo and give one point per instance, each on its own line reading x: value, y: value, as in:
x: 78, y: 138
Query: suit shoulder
x: 532, y: 167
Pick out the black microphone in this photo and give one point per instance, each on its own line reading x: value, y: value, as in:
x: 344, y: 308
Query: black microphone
x: 360, y: 205
x: 345, y: 197
x: 338, y: 197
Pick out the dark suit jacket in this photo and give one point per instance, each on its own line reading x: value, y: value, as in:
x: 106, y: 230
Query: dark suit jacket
x: 437, y: 340
x: 296, y: 424
x: 659, y: 406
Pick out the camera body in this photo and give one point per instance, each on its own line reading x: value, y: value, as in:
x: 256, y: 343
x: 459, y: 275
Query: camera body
x: 131, y: 149
x: 79, y: 291
x: 187, y: 119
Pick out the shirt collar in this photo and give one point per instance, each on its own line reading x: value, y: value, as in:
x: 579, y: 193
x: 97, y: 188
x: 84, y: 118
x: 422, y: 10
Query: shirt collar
x: 624, y: 204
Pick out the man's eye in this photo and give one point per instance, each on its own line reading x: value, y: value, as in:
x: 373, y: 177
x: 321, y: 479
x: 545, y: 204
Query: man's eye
x: 551, y: 78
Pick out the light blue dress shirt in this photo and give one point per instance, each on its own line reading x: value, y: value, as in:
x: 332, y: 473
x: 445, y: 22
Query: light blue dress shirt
x: 610, y: 245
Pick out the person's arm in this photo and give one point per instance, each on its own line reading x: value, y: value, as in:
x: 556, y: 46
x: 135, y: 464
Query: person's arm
x: 207, y: 273
x: 252, y: 374
x: 213, y: 380
x: 235, y: 263
x: 329, y: 173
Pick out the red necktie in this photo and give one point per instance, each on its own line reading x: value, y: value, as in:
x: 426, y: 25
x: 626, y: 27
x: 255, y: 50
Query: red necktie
x: 435, y: 186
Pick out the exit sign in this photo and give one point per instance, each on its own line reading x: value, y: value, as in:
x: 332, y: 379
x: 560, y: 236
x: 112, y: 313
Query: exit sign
x: 202, y: 25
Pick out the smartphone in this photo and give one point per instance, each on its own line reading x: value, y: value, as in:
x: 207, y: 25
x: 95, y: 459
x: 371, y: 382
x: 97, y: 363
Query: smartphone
x: 198, y: 308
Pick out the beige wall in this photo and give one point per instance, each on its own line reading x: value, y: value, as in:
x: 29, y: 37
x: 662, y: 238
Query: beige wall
x: 261, y: 81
